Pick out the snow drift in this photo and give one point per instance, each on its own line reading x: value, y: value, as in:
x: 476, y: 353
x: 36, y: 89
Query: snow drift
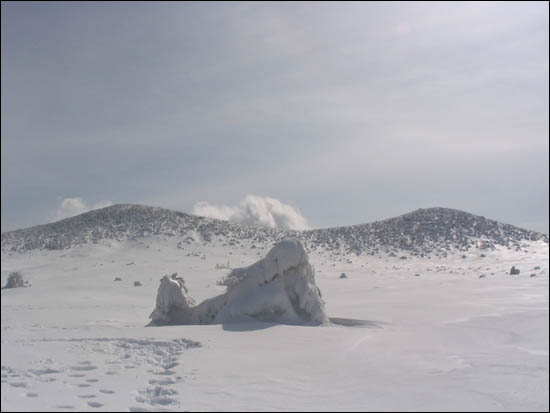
x: 280, y: 287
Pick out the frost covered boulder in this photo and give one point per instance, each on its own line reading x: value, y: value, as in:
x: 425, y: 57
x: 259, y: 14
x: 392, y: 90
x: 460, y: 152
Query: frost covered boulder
x: 280, y: 287
x: 173, y: 304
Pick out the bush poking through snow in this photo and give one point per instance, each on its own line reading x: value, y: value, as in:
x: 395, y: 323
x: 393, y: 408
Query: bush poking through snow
x: 15, y: 280
x: 137, y: 284
x: 514, y: 271
x: 280, y: 287
x: 343, y: 275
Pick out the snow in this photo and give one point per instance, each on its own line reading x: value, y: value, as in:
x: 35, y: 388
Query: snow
x: 255, y: 210
x: 448, y: 340
x: 280, y: 288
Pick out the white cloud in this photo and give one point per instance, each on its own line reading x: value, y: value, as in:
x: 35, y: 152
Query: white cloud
x: 255, y: 210
x: 74, y: 206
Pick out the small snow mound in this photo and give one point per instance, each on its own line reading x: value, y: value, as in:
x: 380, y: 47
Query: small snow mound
x: 279, y: 288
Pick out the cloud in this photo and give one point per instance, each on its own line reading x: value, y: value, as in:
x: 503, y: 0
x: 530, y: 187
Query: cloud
x: 255, y: 210
x: 74, y: 206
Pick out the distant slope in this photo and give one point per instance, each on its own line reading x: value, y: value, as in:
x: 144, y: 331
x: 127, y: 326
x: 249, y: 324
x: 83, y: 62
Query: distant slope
x: 127, y: 222
x: 423, y: 232
x: 419, y: 233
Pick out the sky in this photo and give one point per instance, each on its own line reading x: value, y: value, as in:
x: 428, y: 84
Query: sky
x: 344, y: 113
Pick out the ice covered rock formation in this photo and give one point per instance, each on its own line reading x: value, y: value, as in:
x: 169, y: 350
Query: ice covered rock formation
x: 280, y: 287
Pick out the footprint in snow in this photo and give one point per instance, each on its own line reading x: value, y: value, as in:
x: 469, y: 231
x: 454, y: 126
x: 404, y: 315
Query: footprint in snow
x: 165, y: 373
x: 95, y: 404
x: 83, y: 368
x: 171, y: 365
x: 165, y: 382
x: 44, y: 371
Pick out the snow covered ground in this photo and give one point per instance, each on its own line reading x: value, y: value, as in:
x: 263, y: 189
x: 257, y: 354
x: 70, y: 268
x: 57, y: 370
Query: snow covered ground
x: 444, y: 339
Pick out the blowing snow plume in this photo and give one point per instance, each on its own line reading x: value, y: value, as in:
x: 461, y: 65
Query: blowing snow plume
x: 75, y: 206
x: 255, y: 210
x: 279, y: 288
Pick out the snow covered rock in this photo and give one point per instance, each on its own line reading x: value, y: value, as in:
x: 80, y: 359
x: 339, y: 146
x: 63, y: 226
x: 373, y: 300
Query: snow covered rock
x: 280, y: 287
x: 173, y: 304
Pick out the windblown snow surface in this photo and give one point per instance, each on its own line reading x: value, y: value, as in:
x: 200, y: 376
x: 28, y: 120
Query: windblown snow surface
x: 451, y: 330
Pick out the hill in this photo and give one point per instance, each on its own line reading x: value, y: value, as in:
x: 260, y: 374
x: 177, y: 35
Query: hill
x: 419, y: 233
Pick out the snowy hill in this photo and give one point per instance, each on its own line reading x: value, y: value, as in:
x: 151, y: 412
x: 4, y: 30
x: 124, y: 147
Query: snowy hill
x: 422, y: 232
x: 128, y: 222
x: 438, y: 334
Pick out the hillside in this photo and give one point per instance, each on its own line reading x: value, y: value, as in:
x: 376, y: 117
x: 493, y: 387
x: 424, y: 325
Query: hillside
x: 420, y: 233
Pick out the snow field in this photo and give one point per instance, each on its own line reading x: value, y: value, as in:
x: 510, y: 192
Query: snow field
x: 447, y: 339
